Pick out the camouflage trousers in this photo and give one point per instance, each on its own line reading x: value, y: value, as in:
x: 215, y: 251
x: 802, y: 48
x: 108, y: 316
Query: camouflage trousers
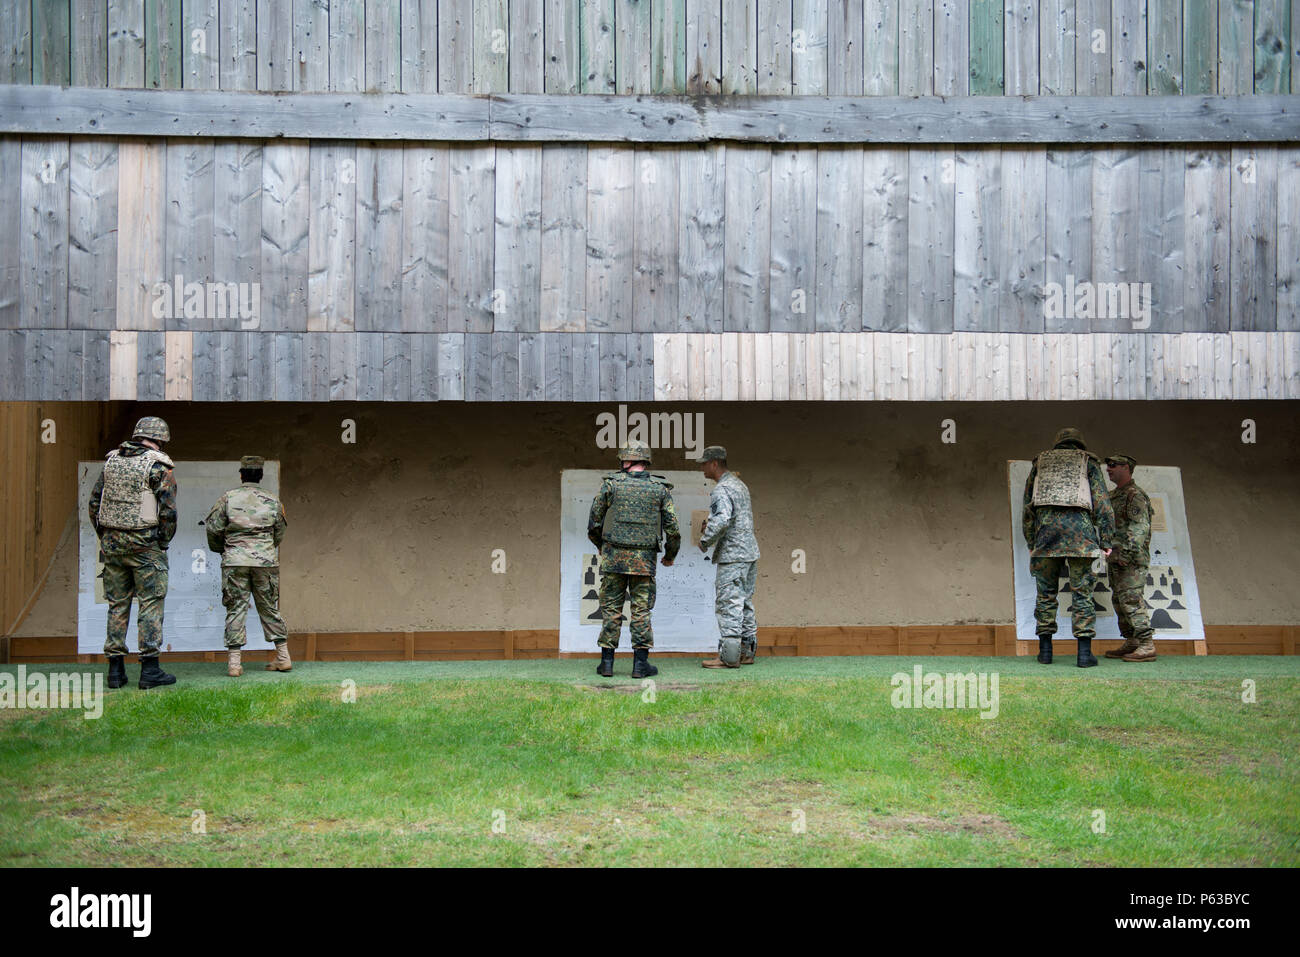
x: 1128, y: 587
x: 143, y: 576
x: 1083, y: 612
x: 640, y: 591
x: 238, y: 584
x: 733, y: 601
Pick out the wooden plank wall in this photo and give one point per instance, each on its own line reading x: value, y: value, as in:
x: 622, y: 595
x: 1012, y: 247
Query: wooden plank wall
x: 42, y: 444
x: 778, y: 47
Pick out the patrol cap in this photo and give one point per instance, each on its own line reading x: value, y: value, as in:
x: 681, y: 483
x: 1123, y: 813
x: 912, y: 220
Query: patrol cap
x: 152, y: 427
x: 1119, y: 458
x: 1070, y: 435
x: 252, y: 462
x: 634, y: 453
x: 714, y: 453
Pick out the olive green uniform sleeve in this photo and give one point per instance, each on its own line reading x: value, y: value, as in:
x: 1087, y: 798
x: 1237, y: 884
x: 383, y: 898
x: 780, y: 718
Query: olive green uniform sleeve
x: 1134, y: 545
x: 596, y: 518
x: 215, y: 526
x: 1027, y: 512
x: 281, y: 523
x: 672, y: 531
x: 95, y: 494
x: 1103, y: 516
x: 162, y: 480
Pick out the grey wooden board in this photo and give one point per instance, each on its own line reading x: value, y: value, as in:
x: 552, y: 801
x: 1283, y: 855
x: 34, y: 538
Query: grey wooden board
x: 95, y: 365
x: 126, y: 43
x: 286, y: 209
x: 1206, y: 229
x: 455, y: 46
x: 425, y: 240
x: 237, y: 28
x: 16, y: 43
x: 39, y: 363
x: 150, y: 366
x: 527, y: 56
x: 667, y: 119
x: 740, y: 47
x: 1020, y: 48
x: 470, y: 264
x: 795, y: 211
x: 451, y: 366
x: 809, y: 53
x: 316, y: 365
x: 1023, y: 253
x: 1069, y: 229
x: 557, y: 349
x: 331, y: 256
x: 44, y: 234
x: 517, y: 239
x: 562, y: 68
x: 532, y: 366
x: 423, y: 351
x: 845, y: 71
x: 932, y: 179
x: 775, y: 43
x: 380, y: 171
x: 200, y: 60
x: 347, y: 45
x: 884, y: 237
x: 1253, y: 278
x: 342, y: 366
x: 191, y: 194
x: 370, y: 366
x: 610, y: 198
x: 232, y: 365
x: 261, y: 366
x: 1161, y: 257
x: 586, y: 367
x: 237, y: 220
x: 275, y: 46
x: 747, y: 239
x: 11, y: 205
x: 838, y: 306
x: 383, y: 46
x: 977, y: 231
x: 311, y: 66
x: 655, y: 228
x: 613, y: 366
x: 915, y: 47
x: 478, y: 367
x: 1092, y: 52
x: 287, y: 371
x: 89, y: 44
x: 505, y: 367
x: 206, y: 367
x: 564, y: 239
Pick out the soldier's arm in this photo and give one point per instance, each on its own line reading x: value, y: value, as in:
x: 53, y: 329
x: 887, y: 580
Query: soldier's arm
x: 1103, y: 516
x: 672, y: 530
x: 95, y: 494
x: 596, y: 518
x: 721, y: 515
x: 281, y: 522
x: 1138, y: 510
x: 163, y: 482
x: 1027, y: 512
x: 215, y: 526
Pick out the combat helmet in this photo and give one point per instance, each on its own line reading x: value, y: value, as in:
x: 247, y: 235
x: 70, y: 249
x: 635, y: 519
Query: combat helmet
x: 1070, y: 435
x: 152, y: 427
x: 634, y: 453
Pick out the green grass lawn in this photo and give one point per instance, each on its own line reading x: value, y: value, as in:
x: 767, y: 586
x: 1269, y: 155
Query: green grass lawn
x: 720, y: 768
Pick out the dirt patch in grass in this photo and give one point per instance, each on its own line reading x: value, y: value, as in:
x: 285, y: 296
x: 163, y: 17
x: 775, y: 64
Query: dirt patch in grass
x: 982, y: 824
x: 637, y: 689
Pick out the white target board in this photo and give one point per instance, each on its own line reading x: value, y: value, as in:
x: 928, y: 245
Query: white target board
x: 1171, y: 596
x: 683, y: 617
x: 193, y: 617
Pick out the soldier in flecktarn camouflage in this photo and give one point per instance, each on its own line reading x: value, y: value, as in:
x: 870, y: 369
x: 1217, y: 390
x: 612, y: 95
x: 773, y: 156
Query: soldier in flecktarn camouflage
x: 133, y: 511
x: 246, y: 526
x: 629, y: 515
x: 1129, y: 561
x: 729, y: 531
x: 1068, y: 524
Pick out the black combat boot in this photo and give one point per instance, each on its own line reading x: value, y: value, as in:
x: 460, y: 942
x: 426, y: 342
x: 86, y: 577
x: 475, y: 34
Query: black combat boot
x: 1086, y: 658
x: 151, y: 676
x: 641, y: 667
x: 606, y: 667
x: 1045, y: 649
x: 116, y: 671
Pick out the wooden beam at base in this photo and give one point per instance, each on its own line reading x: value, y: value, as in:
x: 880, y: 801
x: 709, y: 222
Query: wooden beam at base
x: 539, y: 118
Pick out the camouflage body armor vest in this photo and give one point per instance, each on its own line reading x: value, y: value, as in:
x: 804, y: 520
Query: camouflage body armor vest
x: 1062, y: 479
x: 127, y: 501
x: 633, y: 519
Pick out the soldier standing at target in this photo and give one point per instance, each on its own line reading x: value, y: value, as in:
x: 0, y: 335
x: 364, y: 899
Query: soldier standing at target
x: 629, y: 515
x: 246, y: 527
x: 1068, y: 523
x: 730, y: 532
x: 133, y: 512
x: 1129, y: 560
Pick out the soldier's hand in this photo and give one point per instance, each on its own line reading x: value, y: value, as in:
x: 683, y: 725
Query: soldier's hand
x: 668, y: 561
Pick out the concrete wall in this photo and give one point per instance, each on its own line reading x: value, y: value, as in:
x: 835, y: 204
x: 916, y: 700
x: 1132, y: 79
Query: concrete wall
x: 396, y: 531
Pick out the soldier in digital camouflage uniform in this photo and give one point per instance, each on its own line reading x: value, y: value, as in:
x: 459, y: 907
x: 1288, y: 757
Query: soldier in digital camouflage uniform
x: 133, y: 511
x: 1068, y: 523
x: 729, y: 531
x: 1129, y: 561
x: 246, y: 526
x: 629, y: 515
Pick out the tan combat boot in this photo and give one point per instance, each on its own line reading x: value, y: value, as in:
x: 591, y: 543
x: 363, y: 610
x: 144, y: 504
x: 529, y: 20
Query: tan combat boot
x: 281, y: 660
x: 234, y: 668
x: 747, y: 654
x: 1130, y: 645
x: 1146, y: 651
x: 713, y: 663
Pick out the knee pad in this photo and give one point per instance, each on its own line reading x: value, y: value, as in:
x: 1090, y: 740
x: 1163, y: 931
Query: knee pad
x: 730, y: 652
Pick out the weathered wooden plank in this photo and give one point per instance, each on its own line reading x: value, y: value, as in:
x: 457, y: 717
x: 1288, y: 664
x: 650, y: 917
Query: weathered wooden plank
x: 347, y: 45
x: 1165, y: 47
x: 311, y: 45
x: 532, y: 367
x: 1023, y: 252
x: 343, y: 366
x: 798, y: 366
x: 517, y: 287
x: 471, y: 194
x: 331, y: 267
x: 260, y: 358
x: 640, y: 367
x: 1092, y: 50
x: 1020, y: 48
x: 422, y: 352
x: 1200, y: 61
x: 931, y: 176
x: 287, y: 372
x: 712, y: 367
x: 505, y: 366
x: 610, y: 197
x: 1161, y: 250
x: 562, y: 67
x: 1057, y: 39
x: 747, y: 239
x: 92, y: 234
x: 50, y: 32
x: 1288, y: 239
x: 1116, y: 227
x: 275, y: 45
x: 655, y: 226
x: 200, y: 51
x: 813, y: 342
x: 286, y: 242
x: 16, y: 43
x: 703, y: 46
x: 596, y: 47
x: 40, y: 363
x: 95, y: 365
x: 740, y: 47
x: 977, y: 231
x: 141, y: 214
x: 425, y: 239
x: 383, y: 46
x: 795, y: 210
x: 986, y: 46
x: 163, y: 43
x: 952, y: 47
x: 370, y: 366
x: 557, y: 348
x: 881, y: 47
x: 775, y: 45
x: 700, y: 252
x: 237, y: 29
x: 11, y: 232
x: 808, y: 53
x: 1206, y: 229
x: 1128, y: 38
x: 478, y: 366
x: 916, y: 47
x: 191, y: 171
x: 586, y: 367
x: 151, y: 366
x: 564, y: 240
x: 89, y: 44
x: 1253, y: 281
x: 668, y: 46
x: 315, y: 365
x: 845, y: 47
x: 1273, y: 53
x: 763, y: 375
x: 125, y: 44
x: 455, y: 46
x: 491, y: 46
x: 884, y: 235
x: 451, y: 366
x: 418, y: 71
x: 1236, y: 46
x: 613, y: 369
x: 777, y: 387
x: 237, y: 224
x: 839, y: 276
x: 232, y: 366
x: 379, y: 238
x: 695, y: 367
x: 122, y: 366
x: 1069, y: 235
